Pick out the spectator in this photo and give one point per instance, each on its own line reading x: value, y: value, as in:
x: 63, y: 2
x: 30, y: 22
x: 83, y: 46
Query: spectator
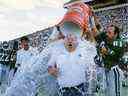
x: 4, y: 65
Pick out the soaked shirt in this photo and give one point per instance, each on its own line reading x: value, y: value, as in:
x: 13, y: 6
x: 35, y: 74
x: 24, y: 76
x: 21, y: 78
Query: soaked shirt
x: 72, y: 66
x: 23, y: 57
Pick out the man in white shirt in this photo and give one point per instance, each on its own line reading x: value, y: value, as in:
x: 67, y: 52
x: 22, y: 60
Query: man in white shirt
x: 72, y: 67
x: 25, y: 55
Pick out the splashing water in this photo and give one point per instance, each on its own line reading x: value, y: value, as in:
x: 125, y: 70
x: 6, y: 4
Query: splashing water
x: 34, y: 79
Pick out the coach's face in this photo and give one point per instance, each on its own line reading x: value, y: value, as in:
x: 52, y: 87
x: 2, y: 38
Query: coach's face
x: 70, y: 42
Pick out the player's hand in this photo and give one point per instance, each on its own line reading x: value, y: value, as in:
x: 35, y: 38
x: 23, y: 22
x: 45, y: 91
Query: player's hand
x: 53, y: 70
x: 104, y: 52
x: 61, y: 36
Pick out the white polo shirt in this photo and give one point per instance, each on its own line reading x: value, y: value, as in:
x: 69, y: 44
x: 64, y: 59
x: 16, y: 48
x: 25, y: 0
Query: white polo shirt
x: 72, y: 66
x: 24, y: 57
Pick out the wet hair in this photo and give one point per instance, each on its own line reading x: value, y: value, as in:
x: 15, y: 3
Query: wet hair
x: 24, y: 38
